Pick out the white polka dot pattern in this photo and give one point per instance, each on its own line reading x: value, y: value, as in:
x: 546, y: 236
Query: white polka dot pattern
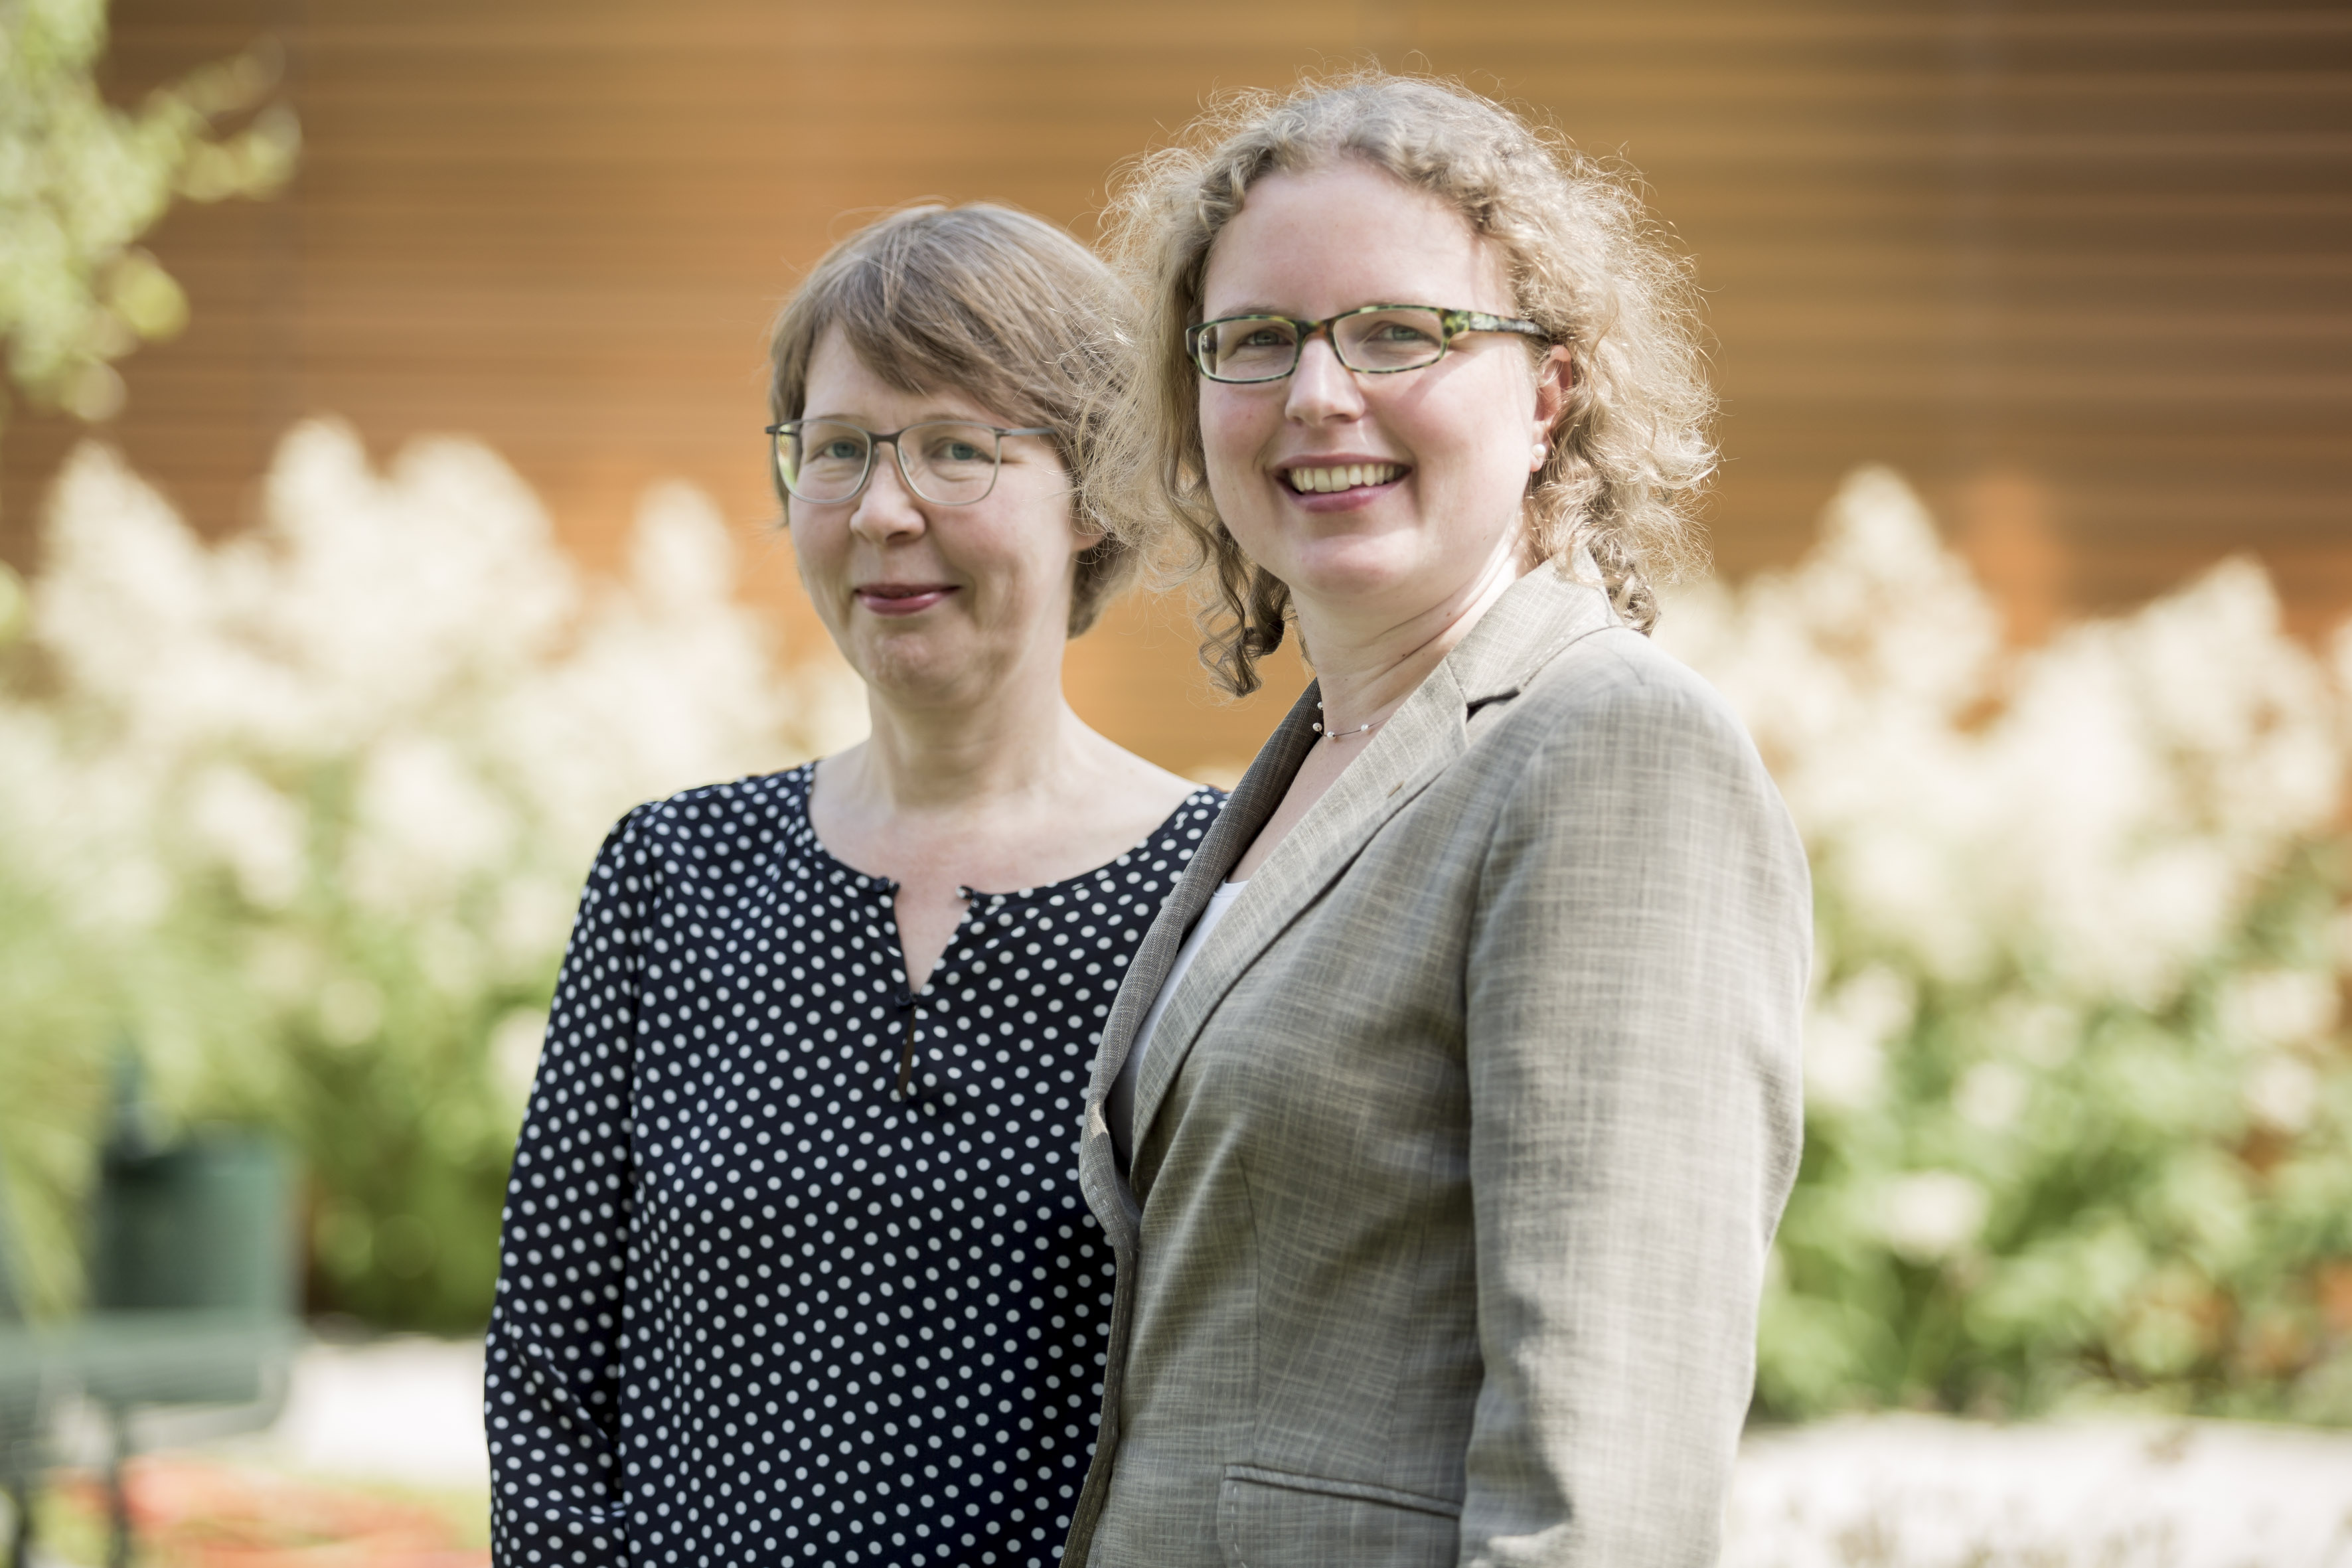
x: 753, y: 1307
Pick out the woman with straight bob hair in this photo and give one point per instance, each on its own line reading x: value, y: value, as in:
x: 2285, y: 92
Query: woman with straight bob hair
x: 1443, y: 1124
x: 796, y: 1268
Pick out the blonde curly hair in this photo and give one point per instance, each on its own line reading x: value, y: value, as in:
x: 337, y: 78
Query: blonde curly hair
x: 1632, y: 448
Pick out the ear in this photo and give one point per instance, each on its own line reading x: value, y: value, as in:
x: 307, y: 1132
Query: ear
x: 1084, y: 535
x: 1555, y: 379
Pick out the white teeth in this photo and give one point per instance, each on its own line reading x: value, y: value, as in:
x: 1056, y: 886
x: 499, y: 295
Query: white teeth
x: 1346, y: 476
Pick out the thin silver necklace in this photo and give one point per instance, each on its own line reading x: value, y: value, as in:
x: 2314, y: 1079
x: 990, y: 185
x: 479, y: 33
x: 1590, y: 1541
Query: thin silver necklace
x: 1336, y: 736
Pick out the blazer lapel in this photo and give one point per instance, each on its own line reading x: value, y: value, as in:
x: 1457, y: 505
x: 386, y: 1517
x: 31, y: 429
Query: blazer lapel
x: 1413, y: 748
x: 1254, y: 800
x: 1535, y: 620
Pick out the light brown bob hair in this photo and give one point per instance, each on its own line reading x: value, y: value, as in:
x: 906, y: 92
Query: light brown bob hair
x: 1632, y: 448
x: 1001, y: 307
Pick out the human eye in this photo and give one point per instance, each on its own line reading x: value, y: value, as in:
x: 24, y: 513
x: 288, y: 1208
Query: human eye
x: 954, y: 446
x: 824, y: 461
x: 1392, y: 339
x: 831, y: 440
x: 1247, y: 348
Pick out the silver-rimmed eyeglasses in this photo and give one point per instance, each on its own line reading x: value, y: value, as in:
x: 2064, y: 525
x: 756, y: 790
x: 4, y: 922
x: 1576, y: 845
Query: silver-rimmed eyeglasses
x: 948, y: 462
x: 1375, y: 340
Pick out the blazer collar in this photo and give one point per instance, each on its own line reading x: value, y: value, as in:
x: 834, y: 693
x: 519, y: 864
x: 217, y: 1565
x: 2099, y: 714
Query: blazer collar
x: 1530, y: 623
x: 1528, y: 628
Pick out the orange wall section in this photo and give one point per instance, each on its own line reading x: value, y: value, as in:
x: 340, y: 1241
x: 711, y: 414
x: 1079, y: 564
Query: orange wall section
x: 2079, y: 270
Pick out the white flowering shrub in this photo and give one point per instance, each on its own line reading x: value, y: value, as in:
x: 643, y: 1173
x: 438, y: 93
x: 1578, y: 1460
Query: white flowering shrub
x: 304, y: 815
x: 2078, y: 1091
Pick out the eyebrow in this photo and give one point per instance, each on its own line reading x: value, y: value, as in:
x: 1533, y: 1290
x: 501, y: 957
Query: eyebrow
x: 1296, y: 315
x: 870, y: 425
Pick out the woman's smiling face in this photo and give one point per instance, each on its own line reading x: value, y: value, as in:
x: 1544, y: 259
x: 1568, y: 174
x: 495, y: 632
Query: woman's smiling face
x: 1378, y: 496
x: 930, y: 602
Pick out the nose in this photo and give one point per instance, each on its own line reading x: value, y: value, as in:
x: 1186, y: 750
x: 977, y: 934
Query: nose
x: 886, y: 510
x: 1321, y: 388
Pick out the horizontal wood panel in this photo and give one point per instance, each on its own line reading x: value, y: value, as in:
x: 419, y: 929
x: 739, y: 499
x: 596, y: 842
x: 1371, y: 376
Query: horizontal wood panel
x: 2097, y: 253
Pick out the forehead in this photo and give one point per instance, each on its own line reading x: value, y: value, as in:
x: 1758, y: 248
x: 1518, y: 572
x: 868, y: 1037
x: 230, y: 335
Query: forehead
x: 1344, y: 235
x: 841, y: 384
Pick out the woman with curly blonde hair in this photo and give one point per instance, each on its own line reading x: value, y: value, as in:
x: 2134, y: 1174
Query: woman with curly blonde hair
x: 1442, y: 1124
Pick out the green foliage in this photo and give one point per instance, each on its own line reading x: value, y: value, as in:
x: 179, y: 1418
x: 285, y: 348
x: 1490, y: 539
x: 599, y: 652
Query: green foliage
x: 2130, y: 1225
x: 370, y: 1040
x: 80, y: 181
x: 56, y: 1018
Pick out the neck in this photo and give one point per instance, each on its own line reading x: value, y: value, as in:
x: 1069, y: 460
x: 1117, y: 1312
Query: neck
x: 957, y: 756
x: 1369, y: 662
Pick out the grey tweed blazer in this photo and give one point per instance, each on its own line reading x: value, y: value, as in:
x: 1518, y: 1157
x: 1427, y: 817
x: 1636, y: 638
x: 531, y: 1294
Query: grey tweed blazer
x: 1459, y: 1148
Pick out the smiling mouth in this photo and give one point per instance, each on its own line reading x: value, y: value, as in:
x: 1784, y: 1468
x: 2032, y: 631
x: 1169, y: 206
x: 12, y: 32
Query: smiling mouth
x: 1342, y: 476
x: 902, y: 598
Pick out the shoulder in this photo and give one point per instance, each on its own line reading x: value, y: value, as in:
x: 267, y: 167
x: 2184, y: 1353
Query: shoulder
x: 1613, y: 695
x: 1162, y: 854
x: 1199, y: 808
x: 757, y: 802
x: 669, y: 835
x: 1184, y: 832
x: 1184, y: 827
x: 1623, y: 766
x: 1615, y: 754
x: 1553, y: 659
x: 1134, y: 800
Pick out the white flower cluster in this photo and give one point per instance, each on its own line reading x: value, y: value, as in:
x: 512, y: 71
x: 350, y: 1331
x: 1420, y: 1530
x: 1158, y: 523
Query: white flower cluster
x: 2054, y: 831
x: 2102, y: 804
x: 396, y: 697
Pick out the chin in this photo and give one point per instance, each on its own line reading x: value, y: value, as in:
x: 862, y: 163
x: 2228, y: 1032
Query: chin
x: 909, y: 664
x: 1358, y: 566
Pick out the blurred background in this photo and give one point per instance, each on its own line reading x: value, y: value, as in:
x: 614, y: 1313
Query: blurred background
x: 384, y: 509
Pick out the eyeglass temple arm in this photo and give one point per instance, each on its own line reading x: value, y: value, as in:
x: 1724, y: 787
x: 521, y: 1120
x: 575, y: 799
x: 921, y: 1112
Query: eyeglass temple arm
x: 1479, y: 321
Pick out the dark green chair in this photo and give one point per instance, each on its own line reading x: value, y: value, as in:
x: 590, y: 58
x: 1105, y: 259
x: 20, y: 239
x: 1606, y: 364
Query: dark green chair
x: 191, y: 1307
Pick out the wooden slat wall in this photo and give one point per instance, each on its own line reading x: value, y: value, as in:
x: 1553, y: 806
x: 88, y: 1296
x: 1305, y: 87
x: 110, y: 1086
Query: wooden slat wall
x: 2080, y: 269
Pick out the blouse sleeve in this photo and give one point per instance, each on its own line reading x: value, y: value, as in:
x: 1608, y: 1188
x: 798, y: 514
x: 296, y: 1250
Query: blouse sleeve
x: 551, y: 1360
x: 1634, y: 987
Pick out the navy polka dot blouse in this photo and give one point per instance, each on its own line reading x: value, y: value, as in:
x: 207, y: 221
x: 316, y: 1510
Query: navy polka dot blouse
x: 755, y: 1304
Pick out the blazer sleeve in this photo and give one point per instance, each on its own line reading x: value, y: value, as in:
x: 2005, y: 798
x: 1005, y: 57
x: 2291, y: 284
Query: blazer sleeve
x: 552, y: 1363
x: 1635, y: 981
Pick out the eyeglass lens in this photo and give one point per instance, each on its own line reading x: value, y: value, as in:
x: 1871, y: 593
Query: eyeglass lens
x: 1264, y: 348
x: 826, y: 460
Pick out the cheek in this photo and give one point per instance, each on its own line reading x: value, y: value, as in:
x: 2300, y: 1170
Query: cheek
x: 816, y: 542
x: 1019, y: 557
x: 1484, y: 441
x: 1231, y: 434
